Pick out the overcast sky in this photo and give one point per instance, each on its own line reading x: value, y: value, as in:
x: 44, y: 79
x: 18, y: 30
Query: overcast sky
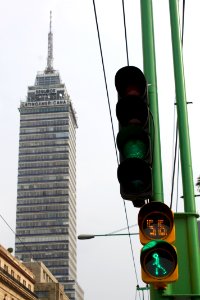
x: 105, y: 265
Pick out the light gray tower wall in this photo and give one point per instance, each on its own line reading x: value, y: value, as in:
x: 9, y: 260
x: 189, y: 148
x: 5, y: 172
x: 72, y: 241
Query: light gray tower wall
x: 46, y: 194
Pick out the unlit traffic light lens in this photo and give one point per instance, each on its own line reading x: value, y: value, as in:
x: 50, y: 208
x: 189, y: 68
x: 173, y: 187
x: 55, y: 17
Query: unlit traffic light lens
x: 135, y: 175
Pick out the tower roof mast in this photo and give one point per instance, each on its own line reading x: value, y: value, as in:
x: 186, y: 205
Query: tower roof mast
x: 49, y: 67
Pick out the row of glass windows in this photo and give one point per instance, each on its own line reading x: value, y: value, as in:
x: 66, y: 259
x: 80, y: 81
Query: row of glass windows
x: 41, y: 150
x: 46, y: 136
x: 45, y: 247
x: 44, y: 231
x: 52, y: 223
x: 61, y: 238
x: 56, y: 170
x: 55, y: 261
x: 45, y: 121
x: 41, y: 143
x: 57, y: 271
x: 28, y: 209
x: 54, y: 264
x: 40, y: 157
x: 43, y: 164
x: 41, y: 124
x: 23, y: 181
x: 45, y: 129
x: 32, y: 194
x: 41, y: 110
x: 42, y: 216
x: 42, y: 117
x: 58, y: 200
x: 39, y: 188
x: 47, y: 80
x: 47, y: 178
x: 43, y: 185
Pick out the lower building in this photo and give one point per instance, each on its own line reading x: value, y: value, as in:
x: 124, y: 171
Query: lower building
x: 47, y: 286
x: 16, y: 280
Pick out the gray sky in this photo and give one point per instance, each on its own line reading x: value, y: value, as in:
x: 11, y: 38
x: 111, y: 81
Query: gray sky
x: 105, y: 265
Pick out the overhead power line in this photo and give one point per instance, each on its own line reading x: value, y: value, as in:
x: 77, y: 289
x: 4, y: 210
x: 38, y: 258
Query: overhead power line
x: 18, y: 237
x: 106, y: 85
x: 125, y: 33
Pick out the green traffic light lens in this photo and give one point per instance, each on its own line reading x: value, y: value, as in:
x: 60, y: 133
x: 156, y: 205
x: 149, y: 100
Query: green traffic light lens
x: 133, y: 142
x: 135, y: 148
x: 158, y: 259
x: 160, y: 263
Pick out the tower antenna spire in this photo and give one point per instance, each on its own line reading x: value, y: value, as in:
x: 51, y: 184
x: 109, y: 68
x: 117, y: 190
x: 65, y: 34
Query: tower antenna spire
x: 49, y: 67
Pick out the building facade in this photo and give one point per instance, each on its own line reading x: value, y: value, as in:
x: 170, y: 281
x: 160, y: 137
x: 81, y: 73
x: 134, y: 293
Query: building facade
x: 46, y: 194
x: 16, y: 280
x: 47, y: 286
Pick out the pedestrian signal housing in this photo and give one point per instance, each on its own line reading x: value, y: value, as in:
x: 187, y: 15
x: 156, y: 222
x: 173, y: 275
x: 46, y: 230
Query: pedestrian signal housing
x: 158, y: 256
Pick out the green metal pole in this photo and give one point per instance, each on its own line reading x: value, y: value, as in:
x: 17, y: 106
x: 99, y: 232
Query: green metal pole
x: 149, y: 61
x: 185, y: 151
x: 150, y: 73
x: 186, y: 163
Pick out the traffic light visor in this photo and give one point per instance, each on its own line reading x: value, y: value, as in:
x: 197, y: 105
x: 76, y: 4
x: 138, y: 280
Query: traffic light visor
x: 130, y: 80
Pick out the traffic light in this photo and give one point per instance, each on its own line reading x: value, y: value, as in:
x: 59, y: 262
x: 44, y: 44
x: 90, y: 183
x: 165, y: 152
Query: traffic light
x: 158, y: 257
x: 133, y: 140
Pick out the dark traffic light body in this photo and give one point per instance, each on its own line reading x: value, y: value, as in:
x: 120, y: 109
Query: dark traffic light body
x: 133, y: 140
x: 135, y: 144
x: 157, y: 233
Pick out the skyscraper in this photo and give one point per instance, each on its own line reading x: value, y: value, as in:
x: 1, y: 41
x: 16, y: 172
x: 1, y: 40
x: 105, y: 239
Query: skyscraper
x: 46, y: 194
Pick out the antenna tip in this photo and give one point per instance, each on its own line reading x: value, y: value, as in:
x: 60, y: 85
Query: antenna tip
x: 50, y: 19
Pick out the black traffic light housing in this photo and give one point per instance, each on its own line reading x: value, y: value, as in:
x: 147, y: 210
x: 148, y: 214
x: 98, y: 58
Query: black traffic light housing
x: 133, y: 140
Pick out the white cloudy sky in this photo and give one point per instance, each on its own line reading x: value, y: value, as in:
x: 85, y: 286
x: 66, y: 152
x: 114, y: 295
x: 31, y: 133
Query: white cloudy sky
x: 105, y: 265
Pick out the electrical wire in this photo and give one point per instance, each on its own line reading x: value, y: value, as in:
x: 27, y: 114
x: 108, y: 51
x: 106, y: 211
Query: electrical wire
x: 174, y: 165
x: 102, y: 60
x: 106, y: 85
x: 183, y: 22
x: 124, y: 228
x: 18, y: 238
x: 125, y: 33
x: 177, y: 191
